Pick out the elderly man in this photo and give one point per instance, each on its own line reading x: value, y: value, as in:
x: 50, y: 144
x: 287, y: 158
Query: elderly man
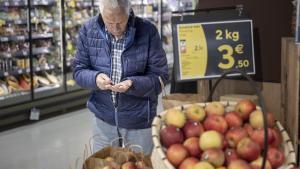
x: 120, y: 57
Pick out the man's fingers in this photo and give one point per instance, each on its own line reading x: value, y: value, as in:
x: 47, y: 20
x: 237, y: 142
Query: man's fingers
x: 108, y: 86
x: 105, y: 77
x: 120, y: 88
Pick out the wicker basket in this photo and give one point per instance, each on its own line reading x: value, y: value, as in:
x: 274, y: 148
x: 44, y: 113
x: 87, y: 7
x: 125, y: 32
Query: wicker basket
x: 158, y: 157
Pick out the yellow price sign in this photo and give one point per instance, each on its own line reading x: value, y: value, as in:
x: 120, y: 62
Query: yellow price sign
x: 206, y: 50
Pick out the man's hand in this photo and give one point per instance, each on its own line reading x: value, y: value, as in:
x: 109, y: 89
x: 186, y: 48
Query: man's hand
x: 122, y: 86
x: 103, y: 81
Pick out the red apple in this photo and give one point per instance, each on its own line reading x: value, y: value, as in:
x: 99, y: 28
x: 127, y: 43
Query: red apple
x: 248, y: 150
x: 216, y: 122
x: 171, y: 135
x: 192, y: 129
x: 248, y: 128
x: 244, y: 108
x: 234, y: 135
x: 188, y: 163
x: 233, y: 120
x: 195, y: 113
x: 215, y: 108
x: 277, y: 138
x: 214, y: 156
x: 258, y: 136
x: 257, y: 164
x: 239, y: 164
x: 275, y: 157
x: 176, y: 153
x: 225, y: 143
x: 230, y: 155
x: 128, y: 165
x: 211, y: 139
x: 140, y: 164
x: 192, y: 145
x: 175, y: 117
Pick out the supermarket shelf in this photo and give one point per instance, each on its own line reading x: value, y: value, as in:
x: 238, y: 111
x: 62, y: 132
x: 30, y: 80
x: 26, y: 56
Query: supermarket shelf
x: 14, y: 72
x: 35, y: 51
x: 24, y: 3
x: 17, y: 21
x: 71, y: 23
x: 74, y: 88
x: 83, y: 4
x: 23, y: 37
x: 24, y: 21
x: 26, y: 71
x: 46, y: 91
x: 14, y: 98
x: 42, y: 36
x: 43, y: 68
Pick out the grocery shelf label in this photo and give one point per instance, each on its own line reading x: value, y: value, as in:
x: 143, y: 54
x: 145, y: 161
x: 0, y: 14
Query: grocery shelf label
x: 4, y: 39
x: 208, y: 49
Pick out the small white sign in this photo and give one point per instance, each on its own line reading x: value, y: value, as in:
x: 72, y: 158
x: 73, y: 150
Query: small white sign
x: 34, y: 114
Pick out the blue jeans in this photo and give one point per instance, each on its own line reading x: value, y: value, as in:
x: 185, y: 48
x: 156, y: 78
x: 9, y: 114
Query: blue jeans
x: 105, y: 135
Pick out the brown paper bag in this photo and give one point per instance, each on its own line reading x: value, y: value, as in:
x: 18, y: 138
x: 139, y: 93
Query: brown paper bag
x: 120, y: 156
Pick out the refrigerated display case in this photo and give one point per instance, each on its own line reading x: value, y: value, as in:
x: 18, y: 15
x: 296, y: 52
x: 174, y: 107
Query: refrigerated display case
x: 33, y: 63
x: 14, y: 53
x: 46, y: 48
x: 76, y: 13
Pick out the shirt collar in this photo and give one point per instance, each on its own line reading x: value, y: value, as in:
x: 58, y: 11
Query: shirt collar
x: 110, y: 36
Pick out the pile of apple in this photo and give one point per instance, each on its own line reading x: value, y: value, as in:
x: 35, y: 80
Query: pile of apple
x: 214, y: 138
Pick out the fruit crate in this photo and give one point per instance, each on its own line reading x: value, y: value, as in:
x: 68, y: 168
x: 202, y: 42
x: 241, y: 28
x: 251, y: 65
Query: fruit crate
x: 160, y: 160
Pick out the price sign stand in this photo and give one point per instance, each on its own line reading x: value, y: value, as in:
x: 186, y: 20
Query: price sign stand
x: 209, y: 42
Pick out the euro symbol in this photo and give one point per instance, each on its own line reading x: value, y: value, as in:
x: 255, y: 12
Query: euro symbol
x: 239, y: 49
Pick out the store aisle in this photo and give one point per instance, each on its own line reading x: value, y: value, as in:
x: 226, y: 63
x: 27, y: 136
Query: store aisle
x: 54, y: 143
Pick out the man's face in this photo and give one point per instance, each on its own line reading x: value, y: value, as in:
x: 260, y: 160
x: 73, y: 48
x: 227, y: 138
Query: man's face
x: 115, y: 21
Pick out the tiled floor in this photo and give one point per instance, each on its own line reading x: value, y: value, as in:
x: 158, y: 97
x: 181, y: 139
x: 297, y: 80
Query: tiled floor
x: 54, y: 143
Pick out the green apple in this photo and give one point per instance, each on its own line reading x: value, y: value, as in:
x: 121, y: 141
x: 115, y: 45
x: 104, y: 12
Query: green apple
x: 195, y: 113
x: 210, y: 139
x: 175, y: 117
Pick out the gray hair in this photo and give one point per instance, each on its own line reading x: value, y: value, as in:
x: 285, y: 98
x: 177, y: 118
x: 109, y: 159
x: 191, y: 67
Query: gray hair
x: 125, y: 4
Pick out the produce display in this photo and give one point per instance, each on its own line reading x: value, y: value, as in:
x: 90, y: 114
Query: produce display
x: 218, y: 137
x: 15, y: 70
